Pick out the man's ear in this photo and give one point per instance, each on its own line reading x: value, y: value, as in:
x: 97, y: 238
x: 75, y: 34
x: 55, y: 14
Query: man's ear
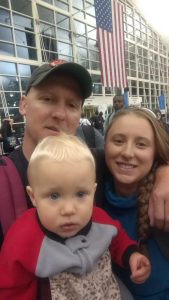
x: 31, y: 195
x: 23, y: 105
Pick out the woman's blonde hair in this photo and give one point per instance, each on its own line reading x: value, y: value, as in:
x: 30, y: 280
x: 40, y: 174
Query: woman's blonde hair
x: 161, y: 137
x: 60, y: 148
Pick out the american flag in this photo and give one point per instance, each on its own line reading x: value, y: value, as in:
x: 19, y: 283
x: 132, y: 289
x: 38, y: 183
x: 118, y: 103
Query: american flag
x: 110, y: 32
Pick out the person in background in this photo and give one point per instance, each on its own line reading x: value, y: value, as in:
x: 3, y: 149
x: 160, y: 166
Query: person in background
x: 67, y: 227
x: 118, y: 103
x: 97, y: 121
x: 92, y: 137
x: 84, y: 121
x: 135, y: 146
x: 89, y: 134
x: 9, y: 138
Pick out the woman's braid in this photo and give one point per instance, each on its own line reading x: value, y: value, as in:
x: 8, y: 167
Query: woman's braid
x: 144, y: 191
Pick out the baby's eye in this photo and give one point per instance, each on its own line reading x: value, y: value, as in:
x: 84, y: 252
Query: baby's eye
x: 54, y: 196
x: 81, y: 194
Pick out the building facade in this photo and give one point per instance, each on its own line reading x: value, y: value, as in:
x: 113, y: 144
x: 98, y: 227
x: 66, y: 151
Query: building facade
x: 36, y: 31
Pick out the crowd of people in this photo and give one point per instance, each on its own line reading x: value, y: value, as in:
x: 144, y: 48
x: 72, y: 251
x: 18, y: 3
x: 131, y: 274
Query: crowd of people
x: 96, y: 221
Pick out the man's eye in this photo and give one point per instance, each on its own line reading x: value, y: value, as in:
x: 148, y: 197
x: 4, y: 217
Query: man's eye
x: 47, y: 99
x: 54, y: 196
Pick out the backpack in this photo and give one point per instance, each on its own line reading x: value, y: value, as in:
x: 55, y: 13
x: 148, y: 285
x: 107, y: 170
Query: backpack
x: 13, y: 199
x: 89, y: 135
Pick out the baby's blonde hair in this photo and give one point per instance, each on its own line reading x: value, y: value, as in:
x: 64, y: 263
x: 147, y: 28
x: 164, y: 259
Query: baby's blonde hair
x: 60, y: 148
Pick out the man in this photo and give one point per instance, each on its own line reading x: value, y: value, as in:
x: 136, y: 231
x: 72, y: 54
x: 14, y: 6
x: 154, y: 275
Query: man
x: 52, y: 104
x: 118, y: 103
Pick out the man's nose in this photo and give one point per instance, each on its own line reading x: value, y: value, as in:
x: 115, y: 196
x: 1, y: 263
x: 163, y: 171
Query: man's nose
x: 59, y: 111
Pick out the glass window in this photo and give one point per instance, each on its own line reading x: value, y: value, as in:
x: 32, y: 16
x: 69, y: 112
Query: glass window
x: 24, y: 6
x: 49, y: 44
x: 26, y: 53
x: 94, y: 55
x: 23, y: 22
x: 78, y: 13
x: 92, y: 44
x: 78, y: 4
x: 94, y: 65
x: 6, y: 34
x: 81, y: 40
x: 64, y: 49
x: 24, y: 38
x: 7, y: 49
x: 62, y: 5
x: 49, y: 56
x: 12, y: 99
x: 4, y: 16
x: 67, y: 58
x: 47, y: 29
x: 64, y: 35
x: 129, y: 20
x: 7, y: 68
x: 4, y: 3
x: 63, y: 21
x: 45, y: 14
x: 24, y: 83
x: 10, y: 83
x: 80, y: 28
x: 91, y: 32
x: 25, y: 70
x: 97, y: 89
x: 90, y: 9
x: 82, y: 52
x: 48, y: 1
x: 91, y: 19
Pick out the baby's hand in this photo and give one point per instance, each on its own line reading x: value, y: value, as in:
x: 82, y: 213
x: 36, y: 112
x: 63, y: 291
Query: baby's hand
x: 140, y: 267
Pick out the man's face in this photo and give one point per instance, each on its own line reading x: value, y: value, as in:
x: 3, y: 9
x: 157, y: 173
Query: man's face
x: 50, y: 108
x: 118, y: 103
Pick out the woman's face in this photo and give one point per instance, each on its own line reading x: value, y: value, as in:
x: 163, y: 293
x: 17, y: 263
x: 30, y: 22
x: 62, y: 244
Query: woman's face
x: 129, y: 151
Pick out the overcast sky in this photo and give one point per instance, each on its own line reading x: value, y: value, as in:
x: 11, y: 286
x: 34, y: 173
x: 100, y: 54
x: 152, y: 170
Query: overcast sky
x: 156, y: 13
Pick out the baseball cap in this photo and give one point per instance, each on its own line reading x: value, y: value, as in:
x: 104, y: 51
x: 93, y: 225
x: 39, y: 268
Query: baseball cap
x: 76, y: 71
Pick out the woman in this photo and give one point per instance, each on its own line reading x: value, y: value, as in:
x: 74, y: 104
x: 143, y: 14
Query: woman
x: 135, y: 144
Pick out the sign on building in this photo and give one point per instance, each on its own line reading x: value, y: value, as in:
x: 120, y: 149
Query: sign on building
x: 136, y: 101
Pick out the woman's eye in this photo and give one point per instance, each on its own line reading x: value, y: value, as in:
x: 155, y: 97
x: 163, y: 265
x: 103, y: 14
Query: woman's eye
x: 118, y: 142
x: 141, y: 145
x: 54, y: 196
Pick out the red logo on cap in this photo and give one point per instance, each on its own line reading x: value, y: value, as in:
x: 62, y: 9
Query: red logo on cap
x: 57, y: 62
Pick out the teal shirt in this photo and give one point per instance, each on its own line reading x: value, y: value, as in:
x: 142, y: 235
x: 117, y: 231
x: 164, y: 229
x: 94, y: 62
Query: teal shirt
x: 124, y: 209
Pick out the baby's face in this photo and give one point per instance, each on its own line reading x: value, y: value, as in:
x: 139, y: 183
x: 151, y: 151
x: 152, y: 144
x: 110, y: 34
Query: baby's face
x: 63, y: 195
